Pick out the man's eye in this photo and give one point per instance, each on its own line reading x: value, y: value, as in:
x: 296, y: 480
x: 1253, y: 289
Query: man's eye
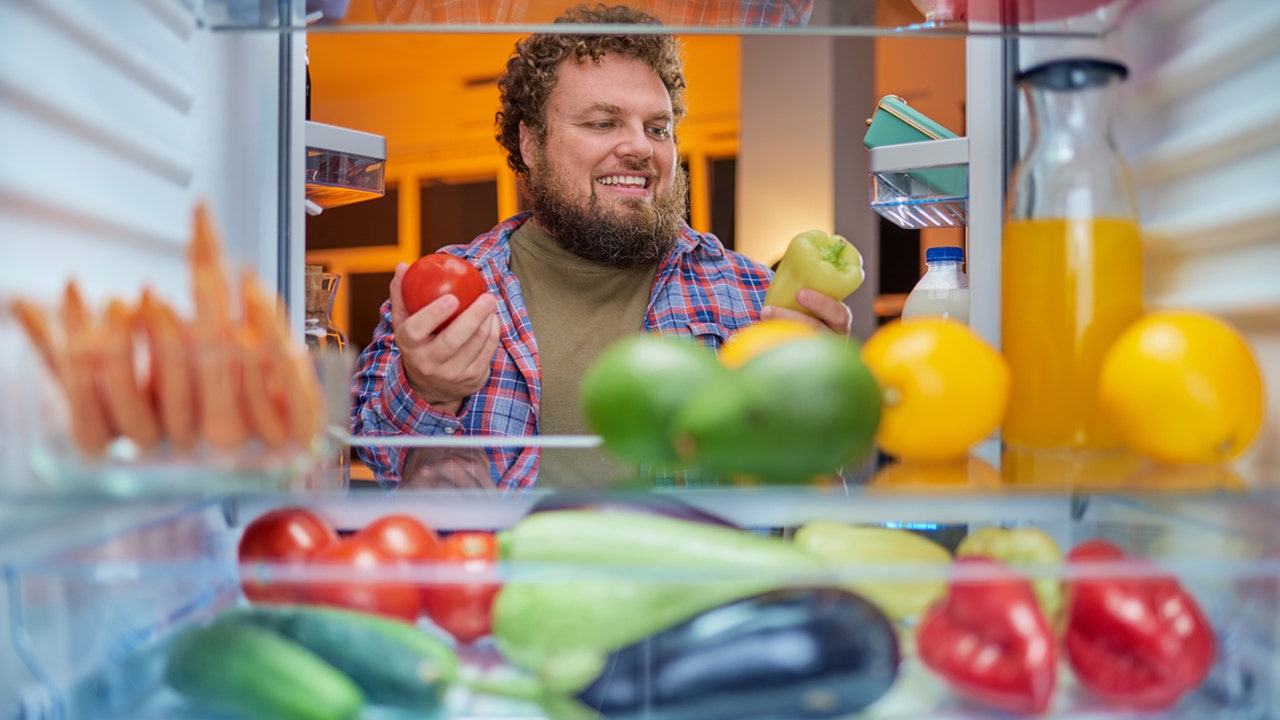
x: 662, y: 133
x: 602, y: 124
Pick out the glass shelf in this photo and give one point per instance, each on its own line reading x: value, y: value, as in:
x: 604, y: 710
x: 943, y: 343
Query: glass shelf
x: 344, y: 166
x: 1049, y: 18
x: 921, y: 184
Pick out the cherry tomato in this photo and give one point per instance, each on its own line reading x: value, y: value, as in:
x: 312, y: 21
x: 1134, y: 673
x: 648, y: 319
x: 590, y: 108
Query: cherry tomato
x: 381, y: 593
x: 464, y: 611
x: 402, y: 536
x: 288, y: 534
x: 438, y: 274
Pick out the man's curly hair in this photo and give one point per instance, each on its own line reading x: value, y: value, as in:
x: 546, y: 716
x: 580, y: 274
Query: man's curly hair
x: 531, y: 70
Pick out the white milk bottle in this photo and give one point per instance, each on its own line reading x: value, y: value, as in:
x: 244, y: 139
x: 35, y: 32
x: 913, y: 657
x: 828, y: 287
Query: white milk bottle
x: 944, y: 289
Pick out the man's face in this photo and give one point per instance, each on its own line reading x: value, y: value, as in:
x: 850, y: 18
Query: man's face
x: 605, y: 183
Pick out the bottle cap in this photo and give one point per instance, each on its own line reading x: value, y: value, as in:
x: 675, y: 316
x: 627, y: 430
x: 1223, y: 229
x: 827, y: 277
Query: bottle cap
x: 1073, y: 73
x: 944, y: 254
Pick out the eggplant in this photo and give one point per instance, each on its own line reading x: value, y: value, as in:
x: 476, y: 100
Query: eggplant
x: 651, y: 503
x: 792, y: 653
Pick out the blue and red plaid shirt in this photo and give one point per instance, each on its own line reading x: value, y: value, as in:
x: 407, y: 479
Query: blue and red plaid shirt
x: 700, y: 290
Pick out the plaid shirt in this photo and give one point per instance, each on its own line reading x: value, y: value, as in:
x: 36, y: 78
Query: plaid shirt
x: 700, y: 290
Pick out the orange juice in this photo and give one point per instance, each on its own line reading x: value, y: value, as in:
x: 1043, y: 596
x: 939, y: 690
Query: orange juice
x: 1069, y: 288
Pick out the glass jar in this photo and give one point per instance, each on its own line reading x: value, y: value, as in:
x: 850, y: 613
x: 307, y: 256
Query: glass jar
x: 1071, y: 274
x: 328, y: 348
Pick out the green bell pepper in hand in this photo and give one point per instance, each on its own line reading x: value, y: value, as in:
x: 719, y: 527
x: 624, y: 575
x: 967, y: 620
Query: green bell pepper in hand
x: 1021, y: 548
x: 829, y: 264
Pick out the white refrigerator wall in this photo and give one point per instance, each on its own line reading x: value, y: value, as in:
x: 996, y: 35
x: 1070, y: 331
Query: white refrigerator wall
x: 115, y: 117
x: 1200, y: 125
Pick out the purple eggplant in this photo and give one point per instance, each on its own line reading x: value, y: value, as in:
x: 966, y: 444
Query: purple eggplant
x: 790, y: 653
x: 651, y: 503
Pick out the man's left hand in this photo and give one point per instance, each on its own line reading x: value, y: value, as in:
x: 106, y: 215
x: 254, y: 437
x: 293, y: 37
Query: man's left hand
x: 828, y: 313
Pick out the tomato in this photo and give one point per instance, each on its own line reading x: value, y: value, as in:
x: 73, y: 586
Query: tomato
x: 381, y: 594
x: 402, y: 536
x: 464, y: 611
x: 436, y: 275
x: 288, y: 534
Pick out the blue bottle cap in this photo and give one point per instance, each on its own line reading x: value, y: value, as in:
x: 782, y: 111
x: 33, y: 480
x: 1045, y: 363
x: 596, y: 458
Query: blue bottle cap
x: 944, y: 254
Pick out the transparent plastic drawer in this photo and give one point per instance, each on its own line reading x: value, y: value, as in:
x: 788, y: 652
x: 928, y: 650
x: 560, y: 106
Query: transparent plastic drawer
x: 93, y: 625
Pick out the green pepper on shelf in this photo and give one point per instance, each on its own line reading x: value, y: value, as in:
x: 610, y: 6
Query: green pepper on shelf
x: 1022, y: 548
x: 829, y: 264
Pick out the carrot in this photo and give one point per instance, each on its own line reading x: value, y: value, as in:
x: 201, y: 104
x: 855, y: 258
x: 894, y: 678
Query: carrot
x: 36, y: 324
x: 292, y: 371
x: 217, y: 367
x: 89, y: 426
x: 172, y: 378
x: 126, y: 402
x: 261, y: 400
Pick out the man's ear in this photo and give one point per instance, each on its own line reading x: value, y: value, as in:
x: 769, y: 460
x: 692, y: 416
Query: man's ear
x: 527, y: 143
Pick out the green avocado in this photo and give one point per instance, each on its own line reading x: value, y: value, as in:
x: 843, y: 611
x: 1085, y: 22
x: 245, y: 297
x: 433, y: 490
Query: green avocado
x: 801, y: 409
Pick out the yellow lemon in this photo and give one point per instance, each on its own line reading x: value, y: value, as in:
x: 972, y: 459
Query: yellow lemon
x: 1182, y: 387
x: 944, y: 387
x: 759, y: 337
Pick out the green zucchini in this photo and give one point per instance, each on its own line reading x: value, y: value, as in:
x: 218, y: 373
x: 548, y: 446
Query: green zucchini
x: 258, y: 674
x: 563, y: 629
x: 393, y: 662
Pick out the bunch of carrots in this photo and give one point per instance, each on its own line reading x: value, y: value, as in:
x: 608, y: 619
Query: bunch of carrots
x: 142, y: 372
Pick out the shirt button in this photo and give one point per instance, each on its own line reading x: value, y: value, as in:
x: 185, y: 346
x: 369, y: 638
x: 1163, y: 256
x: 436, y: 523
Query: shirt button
x: 450, y: 430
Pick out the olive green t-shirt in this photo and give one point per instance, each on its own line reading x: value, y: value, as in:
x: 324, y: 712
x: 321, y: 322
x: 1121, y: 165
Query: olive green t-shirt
x: 577, y: 308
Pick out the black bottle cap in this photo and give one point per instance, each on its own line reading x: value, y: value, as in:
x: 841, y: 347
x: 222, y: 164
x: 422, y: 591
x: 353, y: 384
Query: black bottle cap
x: 1073, y: 73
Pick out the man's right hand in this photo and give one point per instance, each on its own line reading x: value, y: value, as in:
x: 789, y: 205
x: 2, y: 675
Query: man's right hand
x: 445, y: 366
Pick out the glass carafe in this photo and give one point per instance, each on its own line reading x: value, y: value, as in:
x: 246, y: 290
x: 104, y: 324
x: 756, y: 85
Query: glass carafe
x: 1071, y: 258
x: 321, y: 289
x: 328, y: 347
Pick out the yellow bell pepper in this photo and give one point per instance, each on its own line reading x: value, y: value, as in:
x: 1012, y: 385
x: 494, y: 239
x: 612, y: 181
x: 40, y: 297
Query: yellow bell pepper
x: 868, y: 556
x: 829, y: 264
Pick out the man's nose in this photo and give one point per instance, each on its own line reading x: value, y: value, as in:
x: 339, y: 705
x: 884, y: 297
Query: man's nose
x: 635, y: 142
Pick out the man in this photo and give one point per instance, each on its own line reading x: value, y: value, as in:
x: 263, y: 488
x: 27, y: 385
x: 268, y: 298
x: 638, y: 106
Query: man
x: 588, y: 124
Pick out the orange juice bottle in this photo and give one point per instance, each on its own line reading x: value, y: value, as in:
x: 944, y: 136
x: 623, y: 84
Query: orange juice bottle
x: 1071, y: 273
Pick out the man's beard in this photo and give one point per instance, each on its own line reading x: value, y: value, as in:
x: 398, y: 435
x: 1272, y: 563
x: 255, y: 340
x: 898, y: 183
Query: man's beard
x: 608, y: 236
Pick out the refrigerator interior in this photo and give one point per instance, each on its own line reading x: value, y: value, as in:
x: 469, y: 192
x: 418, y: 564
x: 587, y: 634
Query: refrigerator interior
x: 119, y: 116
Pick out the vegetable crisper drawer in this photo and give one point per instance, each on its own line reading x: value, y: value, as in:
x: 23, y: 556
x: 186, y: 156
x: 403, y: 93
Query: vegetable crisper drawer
x: 714, y: 617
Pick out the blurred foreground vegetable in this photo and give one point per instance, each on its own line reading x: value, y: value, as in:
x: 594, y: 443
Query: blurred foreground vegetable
x: 611, y: 579
x: 1138, y: 641
x: 1021, y: 548
x: 988, y: 639
x: 854, y: 549
x: 793, y: 653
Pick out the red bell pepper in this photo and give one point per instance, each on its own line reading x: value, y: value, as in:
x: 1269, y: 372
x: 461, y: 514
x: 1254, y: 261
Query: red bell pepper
x: 989, y: 639
x: 465, y: 611
x: 1141, y: 642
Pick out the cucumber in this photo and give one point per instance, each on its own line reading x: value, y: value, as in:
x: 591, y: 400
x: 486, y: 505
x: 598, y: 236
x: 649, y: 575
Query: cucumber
x: 258, y: 674
x: 394, y: 663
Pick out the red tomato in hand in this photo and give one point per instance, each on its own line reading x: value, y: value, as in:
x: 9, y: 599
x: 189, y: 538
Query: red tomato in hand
x: 380, y: 592
x: 289, y: 534
x: 436, y: 275
x: 464, y: 611
x: 402, y: 536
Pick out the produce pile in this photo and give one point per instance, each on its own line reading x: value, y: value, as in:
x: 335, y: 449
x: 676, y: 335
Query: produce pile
x: 229, y: 379
x: 784, y: 403
x: 646, y: 607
